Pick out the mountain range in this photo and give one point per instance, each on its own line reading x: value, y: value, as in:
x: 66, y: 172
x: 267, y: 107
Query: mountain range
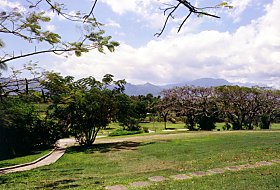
x: 144, y: 89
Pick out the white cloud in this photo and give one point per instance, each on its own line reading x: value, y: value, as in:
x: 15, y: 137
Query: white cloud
x: 147, y: 10
x: 113, y: 23
x: 4, y: 4
x: 50, y: 28
x: 239, y: 6
x: 249, y: 54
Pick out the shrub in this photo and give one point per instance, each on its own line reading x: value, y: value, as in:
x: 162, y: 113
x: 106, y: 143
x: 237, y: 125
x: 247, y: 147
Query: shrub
x: 120, y: 132
x: 21, y: 129
x: 145, y: 129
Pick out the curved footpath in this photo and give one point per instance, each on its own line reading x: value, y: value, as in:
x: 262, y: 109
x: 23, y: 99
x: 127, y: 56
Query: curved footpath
x: 48, y: 159
x: 62, y: 144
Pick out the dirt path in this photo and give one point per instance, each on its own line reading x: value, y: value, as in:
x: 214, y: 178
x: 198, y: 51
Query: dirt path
x: 50, y: 158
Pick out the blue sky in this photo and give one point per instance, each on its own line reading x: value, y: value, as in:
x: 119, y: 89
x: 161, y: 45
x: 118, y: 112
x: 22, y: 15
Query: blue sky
x: 242, y: 46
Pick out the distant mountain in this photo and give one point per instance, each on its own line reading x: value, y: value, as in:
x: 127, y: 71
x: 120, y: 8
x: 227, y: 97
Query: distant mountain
x: 144, y: 89
x: 208, y: 82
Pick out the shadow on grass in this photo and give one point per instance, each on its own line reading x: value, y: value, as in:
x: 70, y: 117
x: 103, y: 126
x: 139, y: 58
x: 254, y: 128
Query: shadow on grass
x: 61, y: 184
x: 107, y: 147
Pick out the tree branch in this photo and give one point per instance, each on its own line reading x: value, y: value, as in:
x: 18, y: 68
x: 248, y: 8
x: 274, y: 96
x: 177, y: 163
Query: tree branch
x: 169, y: 15
x: 56, y: 51
x: 192, y: 9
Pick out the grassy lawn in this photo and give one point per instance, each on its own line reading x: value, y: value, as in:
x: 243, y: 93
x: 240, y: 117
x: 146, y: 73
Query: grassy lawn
x: 140, y: 157
x: 22, y: 159
x: 266, y: 178
x: 158, y: 127
x: 275, y: 126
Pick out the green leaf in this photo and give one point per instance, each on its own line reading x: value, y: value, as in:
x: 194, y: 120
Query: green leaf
x: 78, y: 53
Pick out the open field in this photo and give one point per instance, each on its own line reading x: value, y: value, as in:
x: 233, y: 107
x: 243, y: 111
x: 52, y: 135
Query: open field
x: 158, y: 127
x: 124, y: 160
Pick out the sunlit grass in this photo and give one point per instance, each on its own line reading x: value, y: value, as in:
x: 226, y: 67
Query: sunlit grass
x: 133, y: 160
x: 23, y: 158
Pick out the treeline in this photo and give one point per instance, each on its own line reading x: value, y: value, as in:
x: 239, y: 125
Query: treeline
x: 35, y: 116
x: 58, y: 106
x: 239, y: 107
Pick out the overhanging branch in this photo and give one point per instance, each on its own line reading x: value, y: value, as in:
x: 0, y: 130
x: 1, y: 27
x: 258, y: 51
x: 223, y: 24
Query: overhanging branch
x: 192, y: 10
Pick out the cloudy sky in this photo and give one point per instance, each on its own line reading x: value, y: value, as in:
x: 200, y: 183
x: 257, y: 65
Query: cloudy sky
x: 242, y: 46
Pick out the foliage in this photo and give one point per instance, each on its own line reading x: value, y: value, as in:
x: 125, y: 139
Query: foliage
x: 132, y: 110
x: 21, y: 128
x: 121, y: 132
x: 165, y: 105
x: 197, y: 105
x: 27, y: 22
x: 82, y: 107
x: 243, y: 107
x: 239, y: 107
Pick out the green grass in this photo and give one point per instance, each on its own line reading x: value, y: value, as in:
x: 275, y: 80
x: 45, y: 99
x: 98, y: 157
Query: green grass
x: 23, y: 159
x: 275, y: 126
x: 140, y: 157
x: 121, y: 132
x: 159, y: 126
x: 266, y: 178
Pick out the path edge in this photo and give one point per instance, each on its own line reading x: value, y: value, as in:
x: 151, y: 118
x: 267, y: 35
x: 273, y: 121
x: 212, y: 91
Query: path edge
x: 30, y: 163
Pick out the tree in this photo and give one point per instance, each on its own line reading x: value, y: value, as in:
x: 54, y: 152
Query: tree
x: 132, y: 110
x: 27, y: 25
x: 240, y: 105
x: 198, y: 105
x: 165, y: 105
x: 82, y: 107
x: 270, y: 107
x: 127, y: 113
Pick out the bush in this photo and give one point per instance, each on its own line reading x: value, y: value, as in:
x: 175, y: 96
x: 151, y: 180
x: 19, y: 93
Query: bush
x: 145, y: 129
x: 21, y: 129
x: 227, y: 126
x: 120, y: 132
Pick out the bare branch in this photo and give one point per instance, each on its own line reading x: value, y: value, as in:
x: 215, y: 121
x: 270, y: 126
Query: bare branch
x: 192, y: 9
x: 184, y: 21
x: 91, y: 11
x: 169, y: 15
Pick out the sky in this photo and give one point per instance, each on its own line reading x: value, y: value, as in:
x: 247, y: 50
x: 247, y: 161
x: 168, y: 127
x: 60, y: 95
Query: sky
x: 242, y: 46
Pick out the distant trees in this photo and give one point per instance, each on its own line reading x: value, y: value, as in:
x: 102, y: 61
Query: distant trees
x: 83, y: 107
x: 165, y: 105
x: 245, y: 107
x: 132, y: 110
x: 239, y: 107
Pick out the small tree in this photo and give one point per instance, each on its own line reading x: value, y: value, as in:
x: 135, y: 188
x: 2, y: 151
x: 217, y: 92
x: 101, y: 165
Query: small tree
x: 87, y: 107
